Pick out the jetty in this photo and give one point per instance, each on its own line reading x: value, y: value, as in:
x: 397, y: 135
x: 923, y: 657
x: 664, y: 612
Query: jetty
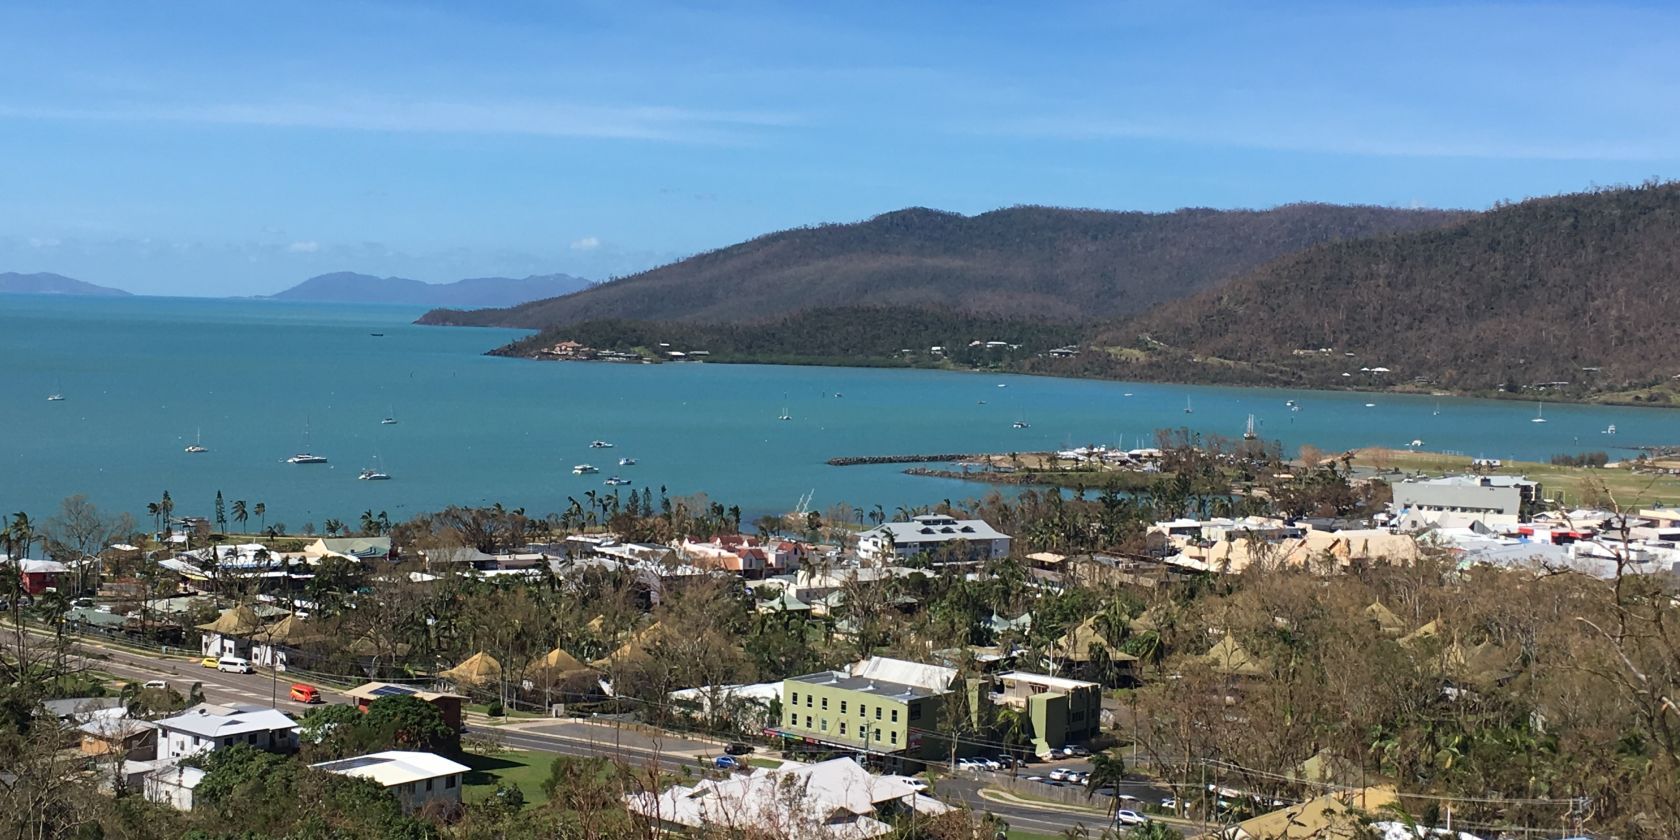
x: 902, y: 459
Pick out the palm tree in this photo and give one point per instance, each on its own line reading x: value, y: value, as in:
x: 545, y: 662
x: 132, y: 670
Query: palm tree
x: 370, y: 525
x: 156, y: 514
x: 261, y: 510
x: 1107, y: 770
x: 1013, y: 725
x: 240, y: 514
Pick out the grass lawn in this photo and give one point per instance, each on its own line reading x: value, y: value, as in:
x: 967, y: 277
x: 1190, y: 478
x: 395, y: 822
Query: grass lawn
x: 1018, y: 834
x: 521, y: 767
x: 1577, y: 484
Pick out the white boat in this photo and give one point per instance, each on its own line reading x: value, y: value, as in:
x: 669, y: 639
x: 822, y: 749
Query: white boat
x: 1370, y: 405
x: 627, y: 462
x: 55, y: 398
x: 1539, y: 413
x: 1416, y: 442
x: 371, y: 474
x: 599, y: 444
x: 584, y: 469
x: 390, y: 419
x: 1248, y: 434
x: 1437, y: 408
x: 1020, y: 424
x: 306, y: 458
x: 197, y: 445
x: 615, y: 481
x: 784, y: 415
x: 1187, y: 407
x: 1610, y: 429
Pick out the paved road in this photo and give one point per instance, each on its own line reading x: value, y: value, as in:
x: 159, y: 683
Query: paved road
x: 571, y: 737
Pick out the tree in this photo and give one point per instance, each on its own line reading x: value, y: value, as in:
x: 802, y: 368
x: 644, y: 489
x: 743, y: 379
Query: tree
x: 1107, y: 771
x: 221, y: 513
x: 410, y: 723
x: 79, y: 532
x: 261, y: 510
x: 240, y: 514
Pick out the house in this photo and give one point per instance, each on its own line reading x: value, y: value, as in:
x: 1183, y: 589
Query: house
x: 1456, y: 501
x: 829, y: 800
x: 230, y: 634
x: 1061, y: 710
x: 208, y: 726
x: 417, y: 779
x: 448, y: 705
x: 925, y: 535
x: 173, y: 785
x: 276, y: 645
x: 37, y: 575
x: 741, y: 554
x: 353, y: 548
x: 111, y: 732
x: 1077, y: 651
x: 879, y: 706
x: 1334, y: 816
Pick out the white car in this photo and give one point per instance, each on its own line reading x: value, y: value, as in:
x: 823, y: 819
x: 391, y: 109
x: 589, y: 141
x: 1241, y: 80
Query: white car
x: 912, y: 781
x: 1126, y: 817
x: 988, y: 763
x: 163, y: 684
x: 1061, y: 774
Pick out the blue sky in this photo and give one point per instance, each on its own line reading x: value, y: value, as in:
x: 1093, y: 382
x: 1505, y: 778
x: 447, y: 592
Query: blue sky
x: 236, y: 148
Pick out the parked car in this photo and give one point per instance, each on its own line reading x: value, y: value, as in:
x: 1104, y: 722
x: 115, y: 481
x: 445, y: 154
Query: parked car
x: 209, y: 661
x: 305, y: 693
x: 912, y: 781
x: 1079, y: 750
x: 1129, y: 817
x: 738, y: 748
x: 234, y: 665
x: 163, y: 684
x: 1060, y: 774
x: 1170, y: 803
x: 1008, y: 761
x: 988, y: 763
x: 726, y: 762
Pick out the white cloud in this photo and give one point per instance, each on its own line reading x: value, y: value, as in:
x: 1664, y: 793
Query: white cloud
x: 588, y: 243
x: 305, y: 246
x: 37, y: 242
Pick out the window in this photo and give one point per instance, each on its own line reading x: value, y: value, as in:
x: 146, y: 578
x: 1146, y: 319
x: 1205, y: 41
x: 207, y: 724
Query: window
x: 807, y: 721
x: 227, y: 742
x: 824, y: 724
x: 842, y: 707
x: 825, y: 704
x: 251, y: 738
x: 428, y: 784
x: 796, y: 698
x: 842, y: 727
x: 449, y: 783
x: 895, y: 736
x: 807, y: 701
x: 895, y: 716
x: 877, y: 712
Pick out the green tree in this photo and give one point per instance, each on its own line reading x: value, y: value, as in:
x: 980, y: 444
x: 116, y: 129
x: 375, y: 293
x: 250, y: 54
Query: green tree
x: 240, y: 514
x: 409, y: 723
x: 221, y: 512
x: 261, y: 510
x: 1107, y: 770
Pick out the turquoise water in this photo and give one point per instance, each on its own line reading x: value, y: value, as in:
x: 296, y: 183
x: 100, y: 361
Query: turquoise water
x: 143, y: 377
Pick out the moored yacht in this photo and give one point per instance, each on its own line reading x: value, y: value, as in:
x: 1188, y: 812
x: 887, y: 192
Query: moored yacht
x: 599, y: 444
x: 615, y: 481
x: 584, y: 469
x: 627, y: 462
x: 306, y: 458
x: 197, y: 446
x: 371, y: 474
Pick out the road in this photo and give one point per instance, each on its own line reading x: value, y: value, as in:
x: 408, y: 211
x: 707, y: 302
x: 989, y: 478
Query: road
x: 567, y: 737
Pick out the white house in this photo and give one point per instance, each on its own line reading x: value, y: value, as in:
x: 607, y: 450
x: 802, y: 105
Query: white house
x: 173, y: 785
x: 208, y: 727
x: 416, y: 779
x: 925, y: 534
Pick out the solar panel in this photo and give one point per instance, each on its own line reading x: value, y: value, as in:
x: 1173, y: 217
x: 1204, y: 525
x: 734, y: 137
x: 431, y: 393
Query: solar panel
x: 388, y: 690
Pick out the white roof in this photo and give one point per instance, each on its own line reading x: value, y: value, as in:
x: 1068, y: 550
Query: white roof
x: 1062, y: 683
x: 933, y: 529
x: 931, y: 677
x: 36, y: 567
x: 212, y: 721
x: 831, y: 800
x: 394, y: 767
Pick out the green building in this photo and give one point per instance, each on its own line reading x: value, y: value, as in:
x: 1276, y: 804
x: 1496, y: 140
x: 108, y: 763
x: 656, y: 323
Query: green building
x: 1062, y: 711
x: 889, y: 708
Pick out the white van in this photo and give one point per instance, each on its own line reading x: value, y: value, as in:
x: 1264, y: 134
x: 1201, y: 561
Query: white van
x: 234, y: 665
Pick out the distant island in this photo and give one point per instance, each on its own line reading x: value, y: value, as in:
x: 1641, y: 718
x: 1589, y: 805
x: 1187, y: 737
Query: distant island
x: 472, y: 293
x: 47, y: 283
x: 1562, y: 298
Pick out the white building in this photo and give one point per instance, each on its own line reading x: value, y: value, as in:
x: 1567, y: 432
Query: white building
x: 173, y: 785
x: 831, y: 800
x: 926, y: 534
x: 208, y: 727
x: 416, y: 779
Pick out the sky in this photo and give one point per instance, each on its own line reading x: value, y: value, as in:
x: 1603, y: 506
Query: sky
x: 214, y: 148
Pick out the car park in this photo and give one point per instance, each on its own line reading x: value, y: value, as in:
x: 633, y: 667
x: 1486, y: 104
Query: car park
x: 1126, y: 816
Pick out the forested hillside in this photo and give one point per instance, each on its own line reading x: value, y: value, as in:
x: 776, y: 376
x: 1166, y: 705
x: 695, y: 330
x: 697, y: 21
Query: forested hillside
x: 1018, y: 263
x: 1578, y: 288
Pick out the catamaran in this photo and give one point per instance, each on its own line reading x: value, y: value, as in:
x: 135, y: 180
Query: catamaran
x: 627, y: 462
x: 390, y: 418
x: 374, y: 473
x: 1539, y: 413
x: 615, y: 481
x: 599, y: 444
x: 584, y: 469
x: 306, y: 457
x: 1248, y: 434
x: 1187, y: 407
x: 197, y: 445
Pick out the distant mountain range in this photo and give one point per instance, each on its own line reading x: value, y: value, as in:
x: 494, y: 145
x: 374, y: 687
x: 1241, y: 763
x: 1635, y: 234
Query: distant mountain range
x: 1020, y: 262
x: 46, y: 283
x: 473, y: 293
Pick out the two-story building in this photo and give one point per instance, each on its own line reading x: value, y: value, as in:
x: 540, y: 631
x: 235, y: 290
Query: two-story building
x: 207, y: 727
x: 417, y: 779
x: 1456, y: 501
x: 963, y: 540
x: 1062, y: 711
x: 890, y: 709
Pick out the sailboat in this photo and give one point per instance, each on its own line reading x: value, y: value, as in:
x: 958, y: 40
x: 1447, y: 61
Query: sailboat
x: 390, y: 418
x: 1539, y: 413
x: 1187, y: 408
x: 784, y: 415
x: 306, y: 457
x: 55, y: 398
x: 1437, y: 408
x: 374, y: 473
x: 197, y: 445
x: 1249, y: 434
x: 1610, y: 429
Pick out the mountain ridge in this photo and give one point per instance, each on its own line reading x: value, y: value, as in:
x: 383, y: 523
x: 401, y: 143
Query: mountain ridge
x: 471, y: 293
x: 48, y: 283
x: 1073, y: 264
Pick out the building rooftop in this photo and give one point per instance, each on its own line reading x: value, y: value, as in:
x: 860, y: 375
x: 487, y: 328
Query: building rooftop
x: 209, y: 720
x: 394, y: 767
x: 880, y: 688
x: 1060, y: 683
x: 927, y: 529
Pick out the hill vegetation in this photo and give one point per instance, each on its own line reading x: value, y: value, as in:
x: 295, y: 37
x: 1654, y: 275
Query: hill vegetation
x: 47, y: 283
x: 350, y: 287
x: 1019, y: 263
x: 1575, y: 289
